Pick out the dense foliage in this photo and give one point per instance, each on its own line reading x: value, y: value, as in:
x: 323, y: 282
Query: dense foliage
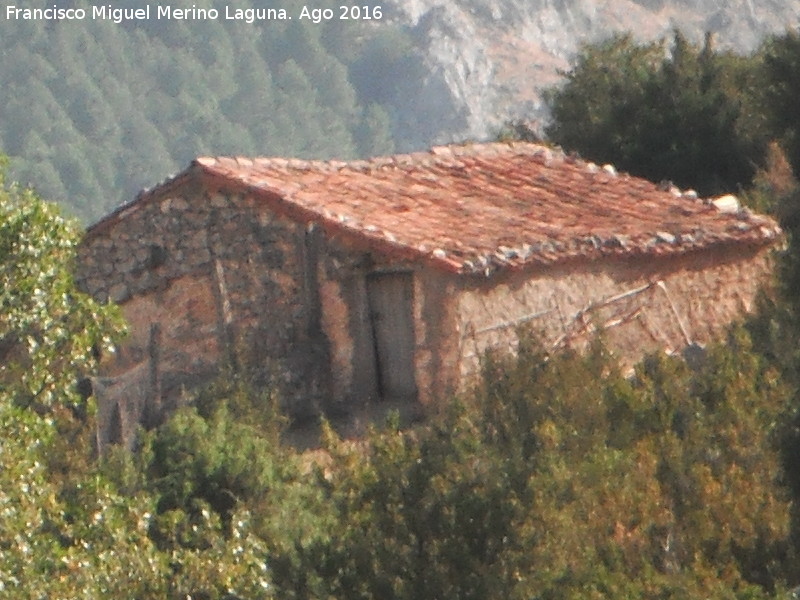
x: 562, y: 479
x: 65, y: 530
x: 781, y: 61
x: 48, y: 330
x: 684, y: 114
x: 91, y: 111
x: 556, y: 478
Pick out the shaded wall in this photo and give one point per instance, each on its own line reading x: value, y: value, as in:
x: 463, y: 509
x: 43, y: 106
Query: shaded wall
x: 223, y: 279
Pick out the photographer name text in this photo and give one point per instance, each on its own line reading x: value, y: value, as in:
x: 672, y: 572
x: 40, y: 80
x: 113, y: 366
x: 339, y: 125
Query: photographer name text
x: 166, y: 12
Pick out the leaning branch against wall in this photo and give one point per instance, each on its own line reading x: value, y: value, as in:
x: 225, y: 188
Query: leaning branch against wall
x: 585, y: 322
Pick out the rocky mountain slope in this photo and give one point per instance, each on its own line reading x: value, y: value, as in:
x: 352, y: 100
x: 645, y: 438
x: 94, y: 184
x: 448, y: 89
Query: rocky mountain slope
x: 488, y: 60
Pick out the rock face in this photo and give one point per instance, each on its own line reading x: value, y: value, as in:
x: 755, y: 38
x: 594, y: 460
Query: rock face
x: 487, y: 61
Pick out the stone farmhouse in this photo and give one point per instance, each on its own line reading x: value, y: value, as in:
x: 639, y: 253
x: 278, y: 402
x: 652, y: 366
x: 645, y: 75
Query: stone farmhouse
x: 351, y: 283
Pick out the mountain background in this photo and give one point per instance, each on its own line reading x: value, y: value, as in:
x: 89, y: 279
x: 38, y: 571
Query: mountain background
x: 491, y: 59
x: 91, y: 112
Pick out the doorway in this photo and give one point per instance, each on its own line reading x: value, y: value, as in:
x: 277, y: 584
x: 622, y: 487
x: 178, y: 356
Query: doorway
x: 391, y: 300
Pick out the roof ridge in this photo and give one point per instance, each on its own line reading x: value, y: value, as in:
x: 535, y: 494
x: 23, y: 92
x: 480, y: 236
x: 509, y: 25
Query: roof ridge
x: 435, y: 155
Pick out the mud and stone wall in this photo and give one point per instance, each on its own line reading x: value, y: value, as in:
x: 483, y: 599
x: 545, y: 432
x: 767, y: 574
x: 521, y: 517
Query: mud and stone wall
x: 436, y: 337
x: 221, y: 277
x: 640, y: 304
x: 224, y: 280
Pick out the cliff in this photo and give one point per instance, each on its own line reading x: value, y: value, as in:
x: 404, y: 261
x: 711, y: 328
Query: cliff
x: 487, y: 61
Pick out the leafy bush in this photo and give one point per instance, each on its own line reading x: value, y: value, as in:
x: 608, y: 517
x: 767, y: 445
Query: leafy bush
x: 559, y: 478
x: 49, y: 330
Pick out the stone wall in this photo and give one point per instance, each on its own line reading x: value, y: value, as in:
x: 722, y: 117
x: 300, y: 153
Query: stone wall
x: 226, y: 279
x: 641, y: 304
x: 437, y: 340
x: 223, y: 279
x: 208, y: 278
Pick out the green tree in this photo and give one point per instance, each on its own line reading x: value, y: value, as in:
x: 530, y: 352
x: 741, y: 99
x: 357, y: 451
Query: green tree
x: 781, y: 60
x: 374, y: 133
x: 66, y: 531
x: 679, y: 118
x: 49, y: 331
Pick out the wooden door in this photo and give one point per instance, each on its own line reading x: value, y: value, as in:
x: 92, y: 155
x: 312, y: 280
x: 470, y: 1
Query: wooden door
x: 391, y: 297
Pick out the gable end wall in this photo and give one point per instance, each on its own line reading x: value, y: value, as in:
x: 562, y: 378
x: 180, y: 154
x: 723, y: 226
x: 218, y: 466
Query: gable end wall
x: 220, y: 277
x: 223, y: 278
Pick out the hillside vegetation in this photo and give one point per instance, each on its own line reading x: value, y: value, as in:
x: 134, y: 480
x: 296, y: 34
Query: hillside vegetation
x: 678, y: 112
x: 91, y: 111
x: 488, y: 61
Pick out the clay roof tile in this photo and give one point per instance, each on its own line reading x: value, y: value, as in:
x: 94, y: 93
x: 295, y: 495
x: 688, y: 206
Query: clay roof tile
x: 479, y: 208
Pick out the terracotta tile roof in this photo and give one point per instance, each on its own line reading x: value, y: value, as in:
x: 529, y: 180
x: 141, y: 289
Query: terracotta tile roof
x: 483, y: 207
